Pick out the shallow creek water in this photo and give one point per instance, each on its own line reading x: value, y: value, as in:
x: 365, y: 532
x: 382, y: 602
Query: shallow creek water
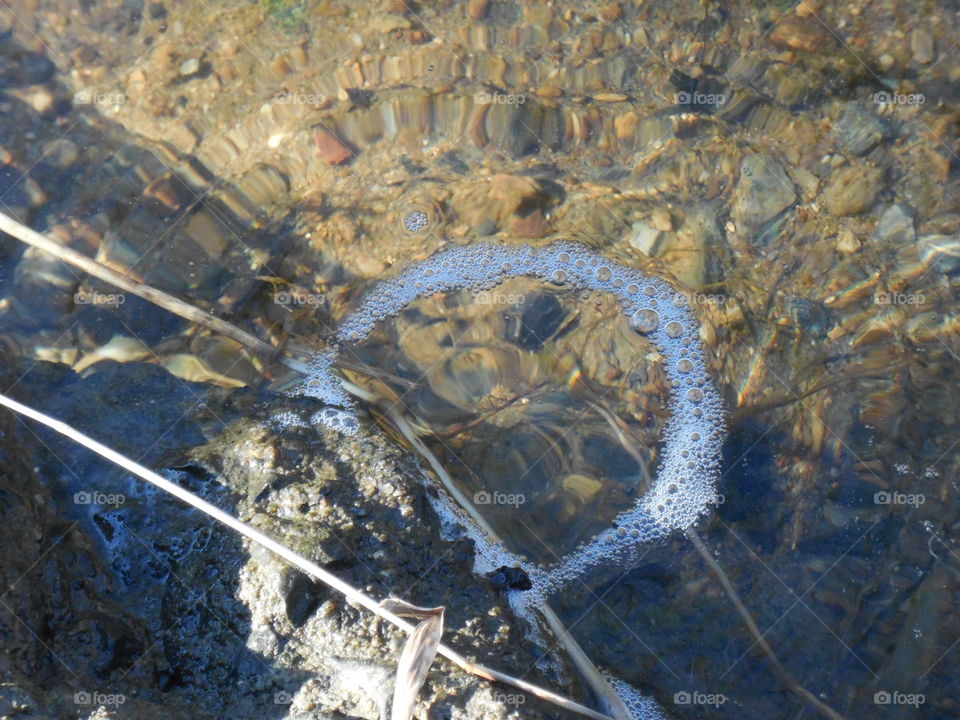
x: 790, y: 172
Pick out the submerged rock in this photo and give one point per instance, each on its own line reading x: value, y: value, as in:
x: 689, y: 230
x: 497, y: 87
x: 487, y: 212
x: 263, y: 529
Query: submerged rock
x: 853, y: 189
x: 162, y: 614
x: 763, y: 192
x: 858, y: 129
x: 895, y: 226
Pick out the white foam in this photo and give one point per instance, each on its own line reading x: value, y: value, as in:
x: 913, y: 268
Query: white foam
x: 685, y: 485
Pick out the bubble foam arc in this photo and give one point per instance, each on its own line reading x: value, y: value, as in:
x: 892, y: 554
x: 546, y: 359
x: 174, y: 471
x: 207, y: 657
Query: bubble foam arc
x: 684, y: 486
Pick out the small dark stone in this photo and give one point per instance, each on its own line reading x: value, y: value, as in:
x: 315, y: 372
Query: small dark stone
x: 487, y: 227
x: 509, y: 578
x: 301, y: 596
x: 537, y: 322
x: 360, y: 99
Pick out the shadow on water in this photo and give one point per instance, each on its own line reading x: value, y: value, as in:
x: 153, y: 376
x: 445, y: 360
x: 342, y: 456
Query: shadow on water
x: 114, y: 590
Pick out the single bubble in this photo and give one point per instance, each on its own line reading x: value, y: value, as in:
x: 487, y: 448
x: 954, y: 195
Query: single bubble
x: 645, y: 321
x: 650, y: 290
x: 580, y: 263
x: 563, y: 257
x: 633, y: 289
x: 604, y: 273
x: 695, y: 395
x: 674, y: 329
x: 684, y: 365
x: 559, y: 277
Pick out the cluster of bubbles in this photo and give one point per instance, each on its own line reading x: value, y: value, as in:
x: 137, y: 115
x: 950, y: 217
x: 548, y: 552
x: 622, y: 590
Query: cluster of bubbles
x: 415, y: 221
x: 685, y: 485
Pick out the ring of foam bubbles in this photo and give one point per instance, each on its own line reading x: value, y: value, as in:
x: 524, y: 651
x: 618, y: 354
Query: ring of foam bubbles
x: 684, y: 487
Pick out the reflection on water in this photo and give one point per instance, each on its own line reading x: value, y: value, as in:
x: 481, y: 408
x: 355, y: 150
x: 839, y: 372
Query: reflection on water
x: 542, y: 402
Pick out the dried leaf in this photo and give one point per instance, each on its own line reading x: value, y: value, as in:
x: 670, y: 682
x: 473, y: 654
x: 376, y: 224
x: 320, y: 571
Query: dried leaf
x: 415, y: 662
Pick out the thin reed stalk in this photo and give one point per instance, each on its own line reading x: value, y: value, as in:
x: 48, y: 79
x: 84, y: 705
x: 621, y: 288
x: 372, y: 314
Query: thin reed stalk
x: 352, y: 594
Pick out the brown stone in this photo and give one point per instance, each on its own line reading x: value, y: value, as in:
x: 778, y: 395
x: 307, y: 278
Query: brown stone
x: 853, y: 189
x: 626, y: 124
x: 801, y: 33
x: 331, y: 149
x: 611, y: 11
x: 533, y: 225
x: 477, y: 9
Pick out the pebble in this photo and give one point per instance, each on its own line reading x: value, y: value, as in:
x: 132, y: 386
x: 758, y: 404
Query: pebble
x: 189, y: 67
x: 626, y: 124
x: 385, y: 24
x: 611, y: 11
x: 477, y: 9
x: 61, y: 153
x: 487, y: 227
x: 847, y: 242
x: 763, y: 192
x: 533, y: 225
x: 858, y: 130
x: 644, y: 237
x: 896, y: 226
x: 41, y: 100
x: 331, y: 149
x: 921, y: 44
x: 852, y: 189
x: 801, y: 33
x: 661, y: 220
x: 609, y: 97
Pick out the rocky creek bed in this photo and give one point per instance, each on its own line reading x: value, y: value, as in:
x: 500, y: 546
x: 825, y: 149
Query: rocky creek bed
x: 233, y: 152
